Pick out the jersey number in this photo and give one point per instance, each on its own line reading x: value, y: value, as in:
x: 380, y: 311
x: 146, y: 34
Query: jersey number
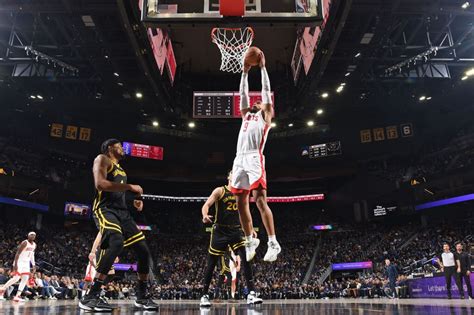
x: 232, y: 206
x: 245, y: 126
x: 250, y: 118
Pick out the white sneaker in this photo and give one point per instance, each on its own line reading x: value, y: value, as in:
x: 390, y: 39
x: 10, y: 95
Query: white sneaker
x: 250, y: 248
x: 205, y: 301
x: 18, y: 299
x: 272, y: 252
x: 253, y: 299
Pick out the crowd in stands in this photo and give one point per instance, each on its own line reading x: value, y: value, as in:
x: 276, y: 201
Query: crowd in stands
x: 431, y: 160
x: 179, y: 262
x: 25, y: 157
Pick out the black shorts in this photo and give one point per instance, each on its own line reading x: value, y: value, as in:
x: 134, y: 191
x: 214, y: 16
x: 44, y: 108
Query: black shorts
x: 224, y: 237
x: 110, y: 221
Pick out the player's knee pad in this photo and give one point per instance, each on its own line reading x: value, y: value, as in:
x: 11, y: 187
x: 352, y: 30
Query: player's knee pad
x: 144, y: 256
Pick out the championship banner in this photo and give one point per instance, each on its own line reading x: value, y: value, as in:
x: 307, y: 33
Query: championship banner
x: 71, y: 132
x: 85, y: 134
x: 365, y: 136
x: 57, y: 130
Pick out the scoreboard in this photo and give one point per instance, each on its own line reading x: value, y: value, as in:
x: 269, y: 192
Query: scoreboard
x: 322, y: 150
x: 143, y: 150
x: 221, y: 104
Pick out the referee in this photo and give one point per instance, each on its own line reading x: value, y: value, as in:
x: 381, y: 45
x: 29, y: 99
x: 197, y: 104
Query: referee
x: 465, y: 266
x: 450, y: 266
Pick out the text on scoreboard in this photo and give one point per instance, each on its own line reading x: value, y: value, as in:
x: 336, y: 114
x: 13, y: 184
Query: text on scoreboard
x: 221, y: 104
x: 143, y: 150
x: 322, y: 150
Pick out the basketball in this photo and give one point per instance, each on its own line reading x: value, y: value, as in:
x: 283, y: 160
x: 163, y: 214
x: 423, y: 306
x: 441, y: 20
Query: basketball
x: 252, y: 57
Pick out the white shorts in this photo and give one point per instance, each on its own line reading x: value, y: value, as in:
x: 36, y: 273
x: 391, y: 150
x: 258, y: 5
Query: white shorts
x: 23, y: 268
x: 248, y: 172
x: 90, y: 273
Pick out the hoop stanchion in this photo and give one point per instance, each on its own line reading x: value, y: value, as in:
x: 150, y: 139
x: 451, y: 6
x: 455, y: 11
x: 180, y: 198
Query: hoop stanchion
x: 233, y: 43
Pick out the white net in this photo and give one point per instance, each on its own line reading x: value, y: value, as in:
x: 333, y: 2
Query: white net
x: 233, y: 43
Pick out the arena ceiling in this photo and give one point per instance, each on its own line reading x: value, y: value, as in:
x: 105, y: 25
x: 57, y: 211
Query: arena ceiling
x: 106, y: 59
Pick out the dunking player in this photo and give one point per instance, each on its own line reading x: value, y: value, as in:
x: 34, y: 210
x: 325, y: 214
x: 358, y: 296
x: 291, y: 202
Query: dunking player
x: 226, y: 232
x: 248, y: 172
x: 21, y: 266
x: 92, y: 265
x: 117, y: 227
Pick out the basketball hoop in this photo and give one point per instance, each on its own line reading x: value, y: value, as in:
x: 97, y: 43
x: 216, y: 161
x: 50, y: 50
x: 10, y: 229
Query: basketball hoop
x: 233, y: 43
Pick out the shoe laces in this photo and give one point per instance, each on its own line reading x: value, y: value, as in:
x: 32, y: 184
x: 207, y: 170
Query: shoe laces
x: 273, y: 244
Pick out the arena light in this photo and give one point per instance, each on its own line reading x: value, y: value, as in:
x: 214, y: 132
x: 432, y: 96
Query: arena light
x: 138, y: 95
x: 464, y: 78
x: 465, y: 5
x: 120, y: 83
x: 290, y: 125
x: 144, y: 227
x: 39, y: 97
x: 155, y: 123
x: 470, y: 72
x: 445, y: 202
x: 273, y: 124
x: 324, y: 227
x: 320, y: 111
x: 32, y: 97
x: 310, y: 123
x: 191, y: 124
x: 428, y: 98
x: 339, y: 89
x: 422, y: 98
x: 358, y: 55
x: 347, y: 74
x: 116, y: 74
x: 325, y: 95
x: 343, y: 84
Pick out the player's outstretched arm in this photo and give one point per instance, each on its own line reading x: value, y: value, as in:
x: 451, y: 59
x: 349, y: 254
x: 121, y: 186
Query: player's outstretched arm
x: 266, y: 92
x: 244, y: 92
x: 216, y: 193
x: 101, y: 164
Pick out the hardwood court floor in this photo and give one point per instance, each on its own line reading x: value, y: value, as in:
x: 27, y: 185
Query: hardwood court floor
x: 277, y: 307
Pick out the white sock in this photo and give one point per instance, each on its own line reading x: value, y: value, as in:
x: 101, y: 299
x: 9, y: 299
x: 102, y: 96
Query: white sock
x: 272, y: 238
x: 249, y: 238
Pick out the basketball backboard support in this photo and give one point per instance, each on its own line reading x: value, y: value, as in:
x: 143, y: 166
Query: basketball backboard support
x: 169, y: 13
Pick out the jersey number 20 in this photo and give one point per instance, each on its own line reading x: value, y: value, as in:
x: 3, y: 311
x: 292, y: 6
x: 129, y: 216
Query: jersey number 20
x: 232, y: 206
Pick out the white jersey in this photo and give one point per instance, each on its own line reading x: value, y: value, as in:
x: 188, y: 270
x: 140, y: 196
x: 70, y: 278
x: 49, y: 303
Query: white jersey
x: 28, y: 253
x: 253, y: 134
x: 25, y: 259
